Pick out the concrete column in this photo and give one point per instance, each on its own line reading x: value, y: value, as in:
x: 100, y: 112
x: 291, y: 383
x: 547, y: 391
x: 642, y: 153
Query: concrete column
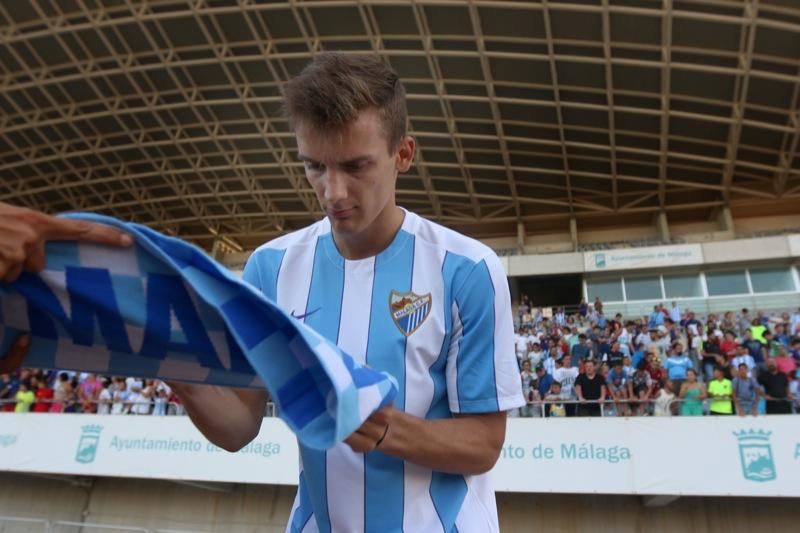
x: 725, y: 220
x: 513, y: 287
x: 217, y: 250
x: 521, y: 237
x: 663, y: 226
x: 573, y: 233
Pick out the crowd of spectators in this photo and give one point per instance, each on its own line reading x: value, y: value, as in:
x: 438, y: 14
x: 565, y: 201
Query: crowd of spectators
x: 40, y: 391
x: 670, y: 362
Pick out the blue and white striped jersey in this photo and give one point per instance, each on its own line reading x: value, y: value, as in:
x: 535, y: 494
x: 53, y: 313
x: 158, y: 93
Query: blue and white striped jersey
x: 432, y: 309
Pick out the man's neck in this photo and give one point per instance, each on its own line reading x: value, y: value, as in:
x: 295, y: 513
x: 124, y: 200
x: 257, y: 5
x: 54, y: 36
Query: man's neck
x: 373, y: 240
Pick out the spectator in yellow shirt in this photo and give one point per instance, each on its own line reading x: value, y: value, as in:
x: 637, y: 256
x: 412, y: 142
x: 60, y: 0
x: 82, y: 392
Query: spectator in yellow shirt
x: 25, y: 398
x: 720, y: 391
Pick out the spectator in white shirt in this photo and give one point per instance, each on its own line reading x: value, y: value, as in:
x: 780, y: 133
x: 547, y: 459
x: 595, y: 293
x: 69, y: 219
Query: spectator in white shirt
x: 675, y: 313
x: 104, y: 399
x: 743, y: 357
x: 566, y: 374
x: 521, y: 346
x: 121, y: 396
x: 536, y: 354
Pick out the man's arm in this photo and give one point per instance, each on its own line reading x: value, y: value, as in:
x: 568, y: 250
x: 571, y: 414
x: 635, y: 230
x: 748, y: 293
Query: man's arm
x: 482, y: 383
x: 466, y: 444
x: 228, y: 417
x: 735, y: 398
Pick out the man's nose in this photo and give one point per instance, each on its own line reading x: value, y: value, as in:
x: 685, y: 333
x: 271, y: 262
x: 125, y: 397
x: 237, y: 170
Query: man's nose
x: 335, y: 186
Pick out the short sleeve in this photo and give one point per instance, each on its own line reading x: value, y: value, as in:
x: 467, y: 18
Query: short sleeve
x: 482, y: 370
x: 261, y: 271
x: 250, y: 273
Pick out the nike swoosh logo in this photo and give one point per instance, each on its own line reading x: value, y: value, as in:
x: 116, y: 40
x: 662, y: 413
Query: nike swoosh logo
x: 305, y: 315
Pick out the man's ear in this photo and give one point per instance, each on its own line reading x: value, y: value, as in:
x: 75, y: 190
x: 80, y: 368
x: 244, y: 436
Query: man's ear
x: 405, y: 154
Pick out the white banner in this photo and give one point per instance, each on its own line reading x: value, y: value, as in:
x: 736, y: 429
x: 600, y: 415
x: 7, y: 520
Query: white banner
x: 635, y: 258
x: 703, y: 456
x: 143, y: 447
x: 699, y: 456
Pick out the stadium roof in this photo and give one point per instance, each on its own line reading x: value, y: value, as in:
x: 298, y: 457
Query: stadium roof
x: 608, y: 111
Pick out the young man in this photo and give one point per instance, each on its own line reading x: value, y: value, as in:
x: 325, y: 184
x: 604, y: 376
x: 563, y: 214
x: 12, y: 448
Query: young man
x: 720, y: 390
x: 776, y: 390
x: 640, y: 387
x: 746, y: 392
x: 618, y: 383
x: 566, y: 374
x: 743, y: 358
x: 529, y: 384
x: 544, y: 379
x: 536, y: 355
x: 580, y: 351
x: 521, y: 344
x: 676, y: 365
x: 419, y: 465
x: 590, y: 388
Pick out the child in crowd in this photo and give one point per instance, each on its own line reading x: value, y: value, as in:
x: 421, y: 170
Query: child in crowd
x: 553, y: 407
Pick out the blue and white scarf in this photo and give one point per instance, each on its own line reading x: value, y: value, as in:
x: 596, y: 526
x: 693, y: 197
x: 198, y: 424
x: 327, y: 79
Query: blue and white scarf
x: 163, y: 309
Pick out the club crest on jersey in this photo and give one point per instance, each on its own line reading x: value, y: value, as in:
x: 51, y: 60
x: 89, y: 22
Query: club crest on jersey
x: 409, y: 310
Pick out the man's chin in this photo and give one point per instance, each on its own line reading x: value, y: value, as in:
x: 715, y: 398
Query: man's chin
x: 345, y: 225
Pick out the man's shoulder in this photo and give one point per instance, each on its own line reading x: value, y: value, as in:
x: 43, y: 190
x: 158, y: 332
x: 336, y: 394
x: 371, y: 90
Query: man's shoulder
x: 301, y: 237
x: 448, y: 240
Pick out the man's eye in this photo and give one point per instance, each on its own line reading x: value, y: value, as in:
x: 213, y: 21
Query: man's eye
x: 314, y: 167
x: 355, y: 167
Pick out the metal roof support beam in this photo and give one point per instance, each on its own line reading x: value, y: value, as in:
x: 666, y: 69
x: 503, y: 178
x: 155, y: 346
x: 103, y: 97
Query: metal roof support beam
x: 612, y: 134
x: 498, y: 119
x: 368, y: 19
x: 447, y: 110
x: 551, y: 56
x: 747, y: 42
x: 666, y: 58
x: 789, y: 147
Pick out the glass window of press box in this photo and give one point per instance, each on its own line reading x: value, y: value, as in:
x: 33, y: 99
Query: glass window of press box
x: 711, y: 283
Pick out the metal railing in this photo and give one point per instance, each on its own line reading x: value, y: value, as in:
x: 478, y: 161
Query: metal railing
x: 612, y: 407
x: 177, y: 409
x: 37, y: 525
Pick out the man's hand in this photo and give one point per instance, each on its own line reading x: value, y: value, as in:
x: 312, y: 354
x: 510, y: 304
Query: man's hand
x: 23, y: 233
x: 372, y: 432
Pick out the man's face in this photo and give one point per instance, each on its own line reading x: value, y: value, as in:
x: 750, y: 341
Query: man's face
x: 741, y: 351
x: 352, y: 170
x: 742, y: 371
